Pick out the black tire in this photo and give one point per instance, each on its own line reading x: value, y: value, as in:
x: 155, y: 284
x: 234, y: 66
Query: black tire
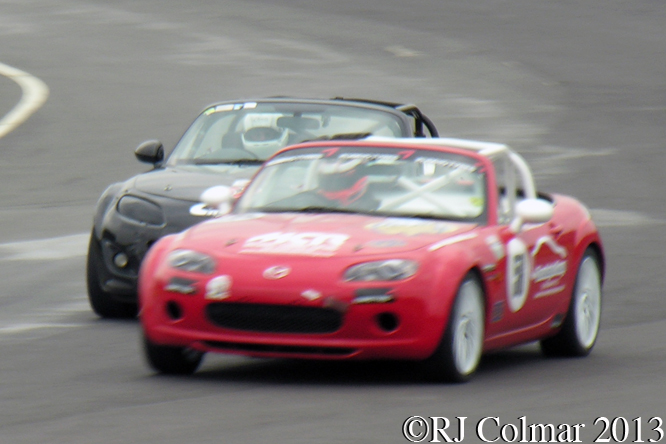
x: 581, y: 325
x: 104, y: 304
x: 171, y: 360
x: 457, y: 357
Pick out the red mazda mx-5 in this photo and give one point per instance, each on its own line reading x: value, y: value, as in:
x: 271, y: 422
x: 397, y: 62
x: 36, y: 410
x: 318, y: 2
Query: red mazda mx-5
x: 432, y: 250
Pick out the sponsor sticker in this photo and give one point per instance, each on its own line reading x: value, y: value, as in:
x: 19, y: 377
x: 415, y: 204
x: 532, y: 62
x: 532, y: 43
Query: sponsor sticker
x: 495, y: 246
x: 410, y: 227
x: 304, y: 244
x: 386, y: 243
x: 497, y: 312
x: 452, y: 240
x: 218, y: 288
x: 549, y: 276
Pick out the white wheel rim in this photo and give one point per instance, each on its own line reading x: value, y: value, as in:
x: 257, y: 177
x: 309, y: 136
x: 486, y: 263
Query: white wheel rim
x: 587, y: 306
x: 468, y: 328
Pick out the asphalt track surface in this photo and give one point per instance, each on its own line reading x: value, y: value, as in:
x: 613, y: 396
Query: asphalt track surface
x: 578, y: 87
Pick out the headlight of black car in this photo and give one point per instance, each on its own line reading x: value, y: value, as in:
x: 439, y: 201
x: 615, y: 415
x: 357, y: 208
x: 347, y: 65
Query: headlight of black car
x: 388, y: 270
x: 141, y: 210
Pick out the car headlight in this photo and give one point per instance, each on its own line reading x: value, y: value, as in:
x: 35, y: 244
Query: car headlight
x: 140, y: 210
x: 188, y: 260
x: 388, y: 270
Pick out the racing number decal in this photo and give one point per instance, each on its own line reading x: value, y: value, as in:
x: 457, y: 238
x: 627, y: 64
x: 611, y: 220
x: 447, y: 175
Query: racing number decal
x: 518, y: 286
x: 518, y: 274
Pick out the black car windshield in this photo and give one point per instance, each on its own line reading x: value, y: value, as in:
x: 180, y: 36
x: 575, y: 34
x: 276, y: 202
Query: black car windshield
x: 371, y: 180
x: 249, y: 131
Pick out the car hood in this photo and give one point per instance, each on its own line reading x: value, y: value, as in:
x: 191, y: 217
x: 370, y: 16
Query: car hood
x: 318, y: 235
x: 188, y: 182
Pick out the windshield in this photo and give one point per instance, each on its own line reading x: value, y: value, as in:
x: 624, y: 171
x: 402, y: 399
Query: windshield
x: 370, y: 180
x: 252, y: 132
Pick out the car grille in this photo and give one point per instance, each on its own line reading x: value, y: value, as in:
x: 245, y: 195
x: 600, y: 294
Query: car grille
x: 274, y: 318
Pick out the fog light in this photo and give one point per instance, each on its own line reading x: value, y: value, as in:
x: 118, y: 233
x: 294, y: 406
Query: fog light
x: 387, y: 322
x: 174, y: 311
x: 120, y: 260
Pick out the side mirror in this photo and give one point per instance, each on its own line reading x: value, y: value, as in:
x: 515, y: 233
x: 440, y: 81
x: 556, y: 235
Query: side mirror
x: 150, y: 151
x: 531, y: 211
x: 218, y: 198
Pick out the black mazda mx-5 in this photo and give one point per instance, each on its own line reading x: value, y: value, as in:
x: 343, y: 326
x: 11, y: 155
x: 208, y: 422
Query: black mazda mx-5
x: 225, y: 145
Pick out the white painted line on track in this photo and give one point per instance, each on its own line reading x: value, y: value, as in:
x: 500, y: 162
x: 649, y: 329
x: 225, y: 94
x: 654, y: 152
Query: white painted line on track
x: 35, y: 93
x: 62, y: 247
x: 616, y: 218
x: 401, y: 51
x: 25, y: 327
x: 45, y: 320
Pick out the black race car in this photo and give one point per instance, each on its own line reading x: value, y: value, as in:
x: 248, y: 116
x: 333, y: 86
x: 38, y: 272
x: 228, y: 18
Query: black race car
x: 225, y: 145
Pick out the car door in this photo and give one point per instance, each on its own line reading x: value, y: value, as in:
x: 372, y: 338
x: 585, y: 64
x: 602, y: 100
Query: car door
x: 536, y: 258
x: 536, y: 266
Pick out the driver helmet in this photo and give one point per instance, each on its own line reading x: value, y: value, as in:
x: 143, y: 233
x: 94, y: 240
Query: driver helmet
x: 261, y: 136
x: 342, y: 180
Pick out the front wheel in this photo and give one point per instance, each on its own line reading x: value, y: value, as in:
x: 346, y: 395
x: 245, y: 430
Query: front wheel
x: 459, y: 352
x: 103, y: 303
x: 581, y: 326
x: 171, y: 360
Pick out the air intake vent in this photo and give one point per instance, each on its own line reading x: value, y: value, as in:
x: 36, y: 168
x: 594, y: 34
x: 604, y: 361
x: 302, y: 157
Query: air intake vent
x: 274, y: 318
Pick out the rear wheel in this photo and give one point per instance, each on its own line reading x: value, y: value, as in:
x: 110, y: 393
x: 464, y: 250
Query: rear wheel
x: 581, y: 326
x: 459, y: 352
x: 171, y: 360
x: 103, y: 303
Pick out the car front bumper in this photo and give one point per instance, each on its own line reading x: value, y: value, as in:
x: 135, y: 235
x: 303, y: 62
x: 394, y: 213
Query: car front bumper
x: 338, y: 326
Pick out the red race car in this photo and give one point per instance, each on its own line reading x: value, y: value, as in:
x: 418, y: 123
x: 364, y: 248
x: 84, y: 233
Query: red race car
x: 433, y: 250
